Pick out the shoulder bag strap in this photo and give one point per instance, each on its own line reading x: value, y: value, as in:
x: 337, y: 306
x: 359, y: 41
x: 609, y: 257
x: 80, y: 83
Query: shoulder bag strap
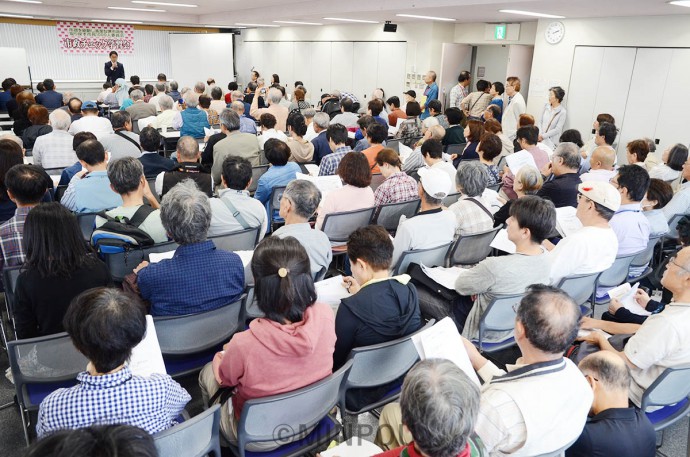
x: 140, y: 215
x: 122, y: 135
x: 481, y: 206
x: 236, y: 214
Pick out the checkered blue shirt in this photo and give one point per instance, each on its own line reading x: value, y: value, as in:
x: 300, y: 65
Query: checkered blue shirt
x: 11, y: 233
x: 151, y: 403
x: 330, y: 162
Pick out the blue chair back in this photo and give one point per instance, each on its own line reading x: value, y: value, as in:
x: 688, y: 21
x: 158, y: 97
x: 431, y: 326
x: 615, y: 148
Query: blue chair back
x: 579, y: 287
x: 430, y: 257
x: 471, y: 249
x: 257, y: 172
x: 617, y: 273
x: 121, y: 264
x: 671, y: 391
x: 499, y: 317
x: 196, y: 437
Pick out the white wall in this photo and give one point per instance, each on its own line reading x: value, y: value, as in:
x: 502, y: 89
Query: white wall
x: 552, y: 64
x: 494, y: 59
x: 475, y: 34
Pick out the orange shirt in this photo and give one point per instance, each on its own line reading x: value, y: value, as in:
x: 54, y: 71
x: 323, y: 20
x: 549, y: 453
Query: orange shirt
x: 371, y: 153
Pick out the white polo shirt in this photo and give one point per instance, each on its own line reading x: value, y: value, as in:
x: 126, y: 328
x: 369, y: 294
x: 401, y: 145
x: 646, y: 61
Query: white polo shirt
x: 588, y: 250
x: 425, y: 230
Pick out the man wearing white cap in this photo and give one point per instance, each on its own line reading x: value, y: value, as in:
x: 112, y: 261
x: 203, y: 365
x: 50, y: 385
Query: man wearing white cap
x: 594, y: 247
x: 432, y: 226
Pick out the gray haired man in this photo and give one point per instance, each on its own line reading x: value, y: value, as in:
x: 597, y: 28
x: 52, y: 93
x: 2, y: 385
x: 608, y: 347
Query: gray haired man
x: 236, y: 143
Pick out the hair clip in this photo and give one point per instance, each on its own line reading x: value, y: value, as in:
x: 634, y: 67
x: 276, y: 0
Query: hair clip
x: 282, y: 272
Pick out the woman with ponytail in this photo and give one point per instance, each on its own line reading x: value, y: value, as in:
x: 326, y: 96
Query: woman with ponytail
x: 287, y: 349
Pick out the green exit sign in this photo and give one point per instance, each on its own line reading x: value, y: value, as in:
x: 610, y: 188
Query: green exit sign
x: 500, y: 32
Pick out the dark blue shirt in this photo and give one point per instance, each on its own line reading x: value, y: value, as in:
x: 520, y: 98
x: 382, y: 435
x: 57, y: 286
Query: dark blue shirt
x: 113, y: 75
x: 321, y: 147
x: 5, y: 97
x: 616, y: 432
x: 198, y: 278
x: 50, y: 99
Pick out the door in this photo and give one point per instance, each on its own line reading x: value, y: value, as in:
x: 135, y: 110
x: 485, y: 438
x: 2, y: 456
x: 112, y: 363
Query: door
x: 674, y: 117
x: 391, y: 68
x: 342, y: 58
x: 364, y: 70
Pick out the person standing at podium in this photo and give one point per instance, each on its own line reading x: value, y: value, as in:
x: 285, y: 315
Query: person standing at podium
x: 114, y: 69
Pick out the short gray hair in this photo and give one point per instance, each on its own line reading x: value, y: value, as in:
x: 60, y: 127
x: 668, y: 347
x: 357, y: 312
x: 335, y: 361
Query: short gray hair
x: 216, y: 93
x: 237, y: 107
x: 275, y: 96
x: 230, y: 119
x: 200, y: 87
x: 304, y: 195
x: 530, y: 178
x: 160, y: 88
x: 136, y: 95
x: 570, y: 154
x: 191, y: 99
x: 60, y: 120
x: 236, y: 95
x: 174, y: 85
x: 309, y: 113
x: 322, y: 120
x: 187, y: 147
x: 186, y: 213
x: 472, y: 177
x: 125, y: 174
x: 165, y: 102
x: 439, y: 405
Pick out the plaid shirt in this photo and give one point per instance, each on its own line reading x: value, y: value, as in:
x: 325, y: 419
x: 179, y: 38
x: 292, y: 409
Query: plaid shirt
x: 471, y: 217
x: 330, y: 162
x: 399, y: 187
x: 11, y: 234
x: 152, y: 403
x: 54, y: 150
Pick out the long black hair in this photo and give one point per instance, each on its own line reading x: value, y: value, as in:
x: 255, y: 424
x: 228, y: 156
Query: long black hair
x: 53, y: 241
x: 10, y: 155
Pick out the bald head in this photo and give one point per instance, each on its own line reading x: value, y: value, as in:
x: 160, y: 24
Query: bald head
x: 187, y: 149
x: 608, y: 368
x: 603, y: 158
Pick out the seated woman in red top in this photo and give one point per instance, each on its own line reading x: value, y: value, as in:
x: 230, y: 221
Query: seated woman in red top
x: 290, y: 348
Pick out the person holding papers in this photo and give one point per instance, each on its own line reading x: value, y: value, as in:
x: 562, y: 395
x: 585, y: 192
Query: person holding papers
x: 527, y: 138
x: 528, y: 181
x: 592, y: 248
x: 105, y: 325
x: 382, y: 308
x: 531, y: 220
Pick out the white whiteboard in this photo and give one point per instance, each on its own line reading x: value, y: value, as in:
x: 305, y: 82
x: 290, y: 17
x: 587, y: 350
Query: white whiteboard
x: 15, y: 65
x: 197, y: 57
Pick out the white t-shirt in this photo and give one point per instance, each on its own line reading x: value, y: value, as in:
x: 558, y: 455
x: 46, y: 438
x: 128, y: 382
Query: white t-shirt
x: 423, y: 231
x: 99, y: 126
x: 588, y: 250
x: 662, y: 341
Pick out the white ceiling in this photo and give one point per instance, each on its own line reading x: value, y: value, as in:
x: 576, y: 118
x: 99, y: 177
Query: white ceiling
x: 226, y: 13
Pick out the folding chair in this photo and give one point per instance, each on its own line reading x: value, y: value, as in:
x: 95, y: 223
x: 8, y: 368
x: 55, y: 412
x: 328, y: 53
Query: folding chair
x: 196, y: 437
x: 152, y: 187
x: 643, y: 260
x: 670, y: 391
x: 501, y: 163
x: 274, y: 203
x: 189, y: 342
x: 123, y: 263
x: 451, y: 198
x: 471, y: 249
x: 9, y: 280
x: 292, y: 415
x: 376, y: 180
x: 59, y: 192
x: 40, y: 366
x: 388, y: 215
x: 498, y: 317
x: 614, y: 276
x: 495, y: 187
x: 455, y: 149
x: 257, y: 172
x: 393, y: 144
x: 430, y: 257
x: 243, y: 240
x: 378, y: 365
x: 339, y: 226
x: 87, y: 222
x: 671, y: 236
x: 580, y: 288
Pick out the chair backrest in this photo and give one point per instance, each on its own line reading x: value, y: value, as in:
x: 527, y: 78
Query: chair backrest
x: 673, y: 226
x: 123, y: 263
x: 36, y: 363
x: 644, y: 257
x: 617, y: 273
x: 59, y: 192
x: 244, y: 240
x: 499, y: 315
x: 455, y: 148
x: 450, y: 199
x: 196, y: 437
x: 672, y: 386
x: 152, y: 187
x: 579, y: 287
x: 501, y: 163
x: 87, y: 222
x: 194, y: 333
x: 495, y: 187
x: 430, y: 257
x: 298, y: 410
x: 257, y: 172
x: 274, y: 200
x: 393, y: 144
x: 9, y: 280
x: 339, y: 226
x: 376, y: 180
x: 144, y: 122
x: 471, y: 249
x: 388, y: 215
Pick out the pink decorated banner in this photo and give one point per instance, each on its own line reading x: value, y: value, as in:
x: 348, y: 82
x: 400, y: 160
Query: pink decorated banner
x: 95, y: 38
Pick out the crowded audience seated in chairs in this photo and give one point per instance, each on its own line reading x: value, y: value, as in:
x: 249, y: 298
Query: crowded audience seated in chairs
x: 472, y: 211
x: 89, y: 190
x: 527, y: 138
x: 91, y: 121
x: 601, y: 162
x: 680, y: 203
x: 191, y: 121
x: 124, y: 440
x: 294, y: 341
x: 319, y: 138
x: 122, y: 142
x: 432, y: 153
x: 164, y: 119
x: 489, y: 149
x: 670, y: 170
x: 381, y: 308
x: 38, y: 116
x: 376, y: 136
x: 411, y: 128
x: 629, y: 223
x: 54, y: 150
x: 298, y: 204
x: 561, y: 188
x: 281, y: 172
x: 398, y: 186
x: 139, y: 109
x: 209, y: 277
x: 105, y: 325
x: 153, y: 162
x: 273, y: 98
x: 455, y: 133
x: 301, y: 150
x: 57, y: 268
x: 127, y: 179
x: 438, y: 408
x: 346, y: 117
x: 234, y: 209
x: 337, y: 138
x: 10, y: 156
x: 364, y: 122
x: 355, y: 194
x: 236, y: 143
x: 417, y: 159
x: 247, y: 125
x: 267, y: 123
x: 659, y: 193
x: 69, y: 172
x: 188, y: 167
x: 528, y: 181
x: 473, y: 133
x: 432, y: 226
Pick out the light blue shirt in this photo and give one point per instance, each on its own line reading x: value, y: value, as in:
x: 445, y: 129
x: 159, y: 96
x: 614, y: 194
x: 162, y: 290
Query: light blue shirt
x: 632, y: 229
x: 679, y: 204
x: 90, y: 194
x: 431, y: 93
x: 247, y: 125
x: 276, y: 176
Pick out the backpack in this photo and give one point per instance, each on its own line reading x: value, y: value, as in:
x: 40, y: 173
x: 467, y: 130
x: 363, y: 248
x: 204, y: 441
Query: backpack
x: 122, y: 234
